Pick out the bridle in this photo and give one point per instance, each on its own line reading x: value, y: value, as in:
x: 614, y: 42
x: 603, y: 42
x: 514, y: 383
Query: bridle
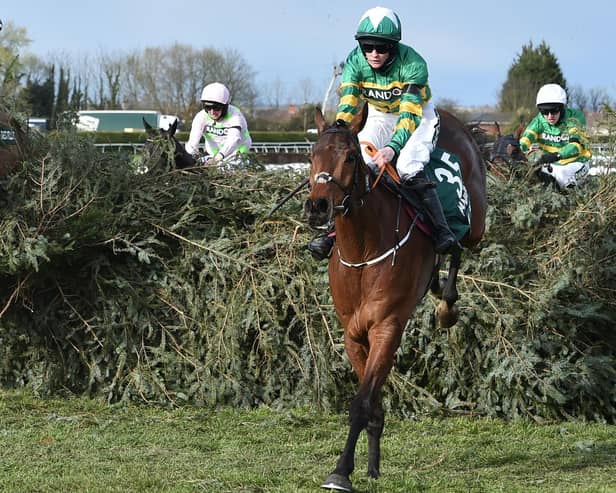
x: 325, y: 177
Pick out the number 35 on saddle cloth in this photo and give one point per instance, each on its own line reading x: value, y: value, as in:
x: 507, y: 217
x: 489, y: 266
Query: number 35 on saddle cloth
x: 444, y: 170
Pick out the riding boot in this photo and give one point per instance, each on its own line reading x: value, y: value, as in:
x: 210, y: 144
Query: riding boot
x: 444, y: 239
x: 321, y: 246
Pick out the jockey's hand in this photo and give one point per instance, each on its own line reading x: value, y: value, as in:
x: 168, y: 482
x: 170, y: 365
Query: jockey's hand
x: 384, y: 156
x: 548, y: 157
x: 215, y: 160
x: 200, y: 158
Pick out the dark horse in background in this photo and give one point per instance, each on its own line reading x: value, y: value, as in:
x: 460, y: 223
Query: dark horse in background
x: 162, y: 149
x: 374, y: 300
x: 12, y: 143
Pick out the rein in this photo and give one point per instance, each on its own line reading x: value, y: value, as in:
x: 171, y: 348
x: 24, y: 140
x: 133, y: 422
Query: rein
x: 345, y: 205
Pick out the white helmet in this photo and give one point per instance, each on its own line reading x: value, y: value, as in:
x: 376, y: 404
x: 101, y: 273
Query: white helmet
x: 551, y: 94
x: 216, y: 93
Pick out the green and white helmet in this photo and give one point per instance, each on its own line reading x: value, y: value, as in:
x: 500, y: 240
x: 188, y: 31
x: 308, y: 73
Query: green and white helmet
x: 379, y: 23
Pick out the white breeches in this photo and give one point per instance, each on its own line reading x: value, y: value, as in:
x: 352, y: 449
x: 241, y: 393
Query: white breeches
x: 416, y: 153
x: 567, y: 175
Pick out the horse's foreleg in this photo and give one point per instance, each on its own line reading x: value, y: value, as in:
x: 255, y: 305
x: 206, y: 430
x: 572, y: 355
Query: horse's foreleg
x: 447, y: 312
x: 358, y: 420
x: 374, y: 431
x: 383, y: 345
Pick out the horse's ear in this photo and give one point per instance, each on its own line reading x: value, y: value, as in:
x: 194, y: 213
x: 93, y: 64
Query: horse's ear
x: 519, y: 130
x: 359, y: 120
x: 173, y: 127
x: 148, y: 127
x: 319, y: 120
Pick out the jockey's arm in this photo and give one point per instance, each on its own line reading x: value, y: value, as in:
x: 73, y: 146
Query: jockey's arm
x: 196, y: 132
x: 232, y: 141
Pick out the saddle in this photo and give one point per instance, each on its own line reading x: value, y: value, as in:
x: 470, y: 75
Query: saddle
x: 443, y: 173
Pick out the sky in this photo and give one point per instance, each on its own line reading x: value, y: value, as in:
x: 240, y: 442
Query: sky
x: 469, y: 46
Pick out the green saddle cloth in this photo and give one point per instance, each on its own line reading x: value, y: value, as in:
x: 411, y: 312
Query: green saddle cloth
x: 444, y: 169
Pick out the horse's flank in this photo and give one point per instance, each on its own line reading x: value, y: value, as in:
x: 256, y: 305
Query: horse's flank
x: 455, y: 138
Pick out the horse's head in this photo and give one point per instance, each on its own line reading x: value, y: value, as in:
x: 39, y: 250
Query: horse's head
x: 506, y: 148
x: 336, y: 169
x: 162, y: 149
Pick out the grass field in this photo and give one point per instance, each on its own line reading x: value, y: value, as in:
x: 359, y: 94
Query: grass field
x: 85, y: 445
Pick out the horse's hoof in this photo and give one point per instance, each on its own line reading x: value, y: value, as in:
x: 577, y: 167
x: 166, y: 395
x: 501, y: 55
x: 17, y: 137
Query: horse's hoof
x: 338, y: 483
x: 447, y: 316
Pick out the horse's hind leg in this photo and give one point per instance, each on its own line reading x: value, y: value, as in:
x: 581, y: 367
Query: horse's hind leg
x: 447, y: 312
x: 436, y: 287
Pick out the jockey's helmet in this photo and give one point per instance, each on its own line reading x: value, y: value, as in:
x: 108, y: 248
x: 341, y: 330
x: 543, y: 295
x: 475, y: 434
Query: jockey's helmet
x: 216, y: 93
x: 551, y: 96
x: 379, y: 23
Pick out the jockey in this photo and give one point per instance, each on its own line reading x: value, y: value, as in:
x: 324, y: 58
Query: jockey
x: 222, y: 125
x: 559, y: 132
x: 402, y: 122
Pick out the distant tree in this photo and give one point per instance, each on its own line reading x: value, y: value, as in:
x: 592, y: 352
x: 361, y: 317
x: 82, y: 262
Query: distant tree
x: 592, y: 100
x: 598, y: 98
x: 110, y: 73
x: 578, y: 98
x: 78, y: 96
x: 533, y: 67
x: 307, y: 91
x: 171, y: 79
x: 39, y: 92
x: 12, y: 40
x: 276, y: 92
x: 62, y: 96
x: 168, y: 79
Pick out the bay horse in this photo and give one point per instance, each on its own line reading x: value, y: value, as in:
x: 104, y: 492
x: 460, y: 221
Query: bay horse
x: 12, y: 143
x: 163, y: 149
x: 376, y: 279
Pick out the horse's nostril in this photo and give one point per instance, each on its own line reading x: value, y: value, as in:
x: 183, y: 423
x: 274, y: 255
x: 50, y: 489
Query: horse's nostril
x: 322, y: 206
x: 318, y: 206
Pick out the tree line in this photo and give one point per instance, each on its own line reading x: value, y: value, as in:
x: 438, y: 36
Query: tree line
x: 169, y: 79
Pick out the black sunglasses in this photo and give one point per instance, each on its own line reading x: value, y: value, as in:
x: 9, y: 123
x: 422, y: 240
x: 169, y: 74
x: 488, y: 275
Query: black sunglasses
x: 207, y: 106
x: 547, y: 111
x: 380, y: 48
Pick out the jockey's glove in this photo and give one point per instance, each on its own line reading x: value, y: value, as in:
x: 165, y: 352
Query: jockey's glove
x: 549, y: 157
x: 201, y: 158
x: 212, y: 160
x: 217, y: 158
